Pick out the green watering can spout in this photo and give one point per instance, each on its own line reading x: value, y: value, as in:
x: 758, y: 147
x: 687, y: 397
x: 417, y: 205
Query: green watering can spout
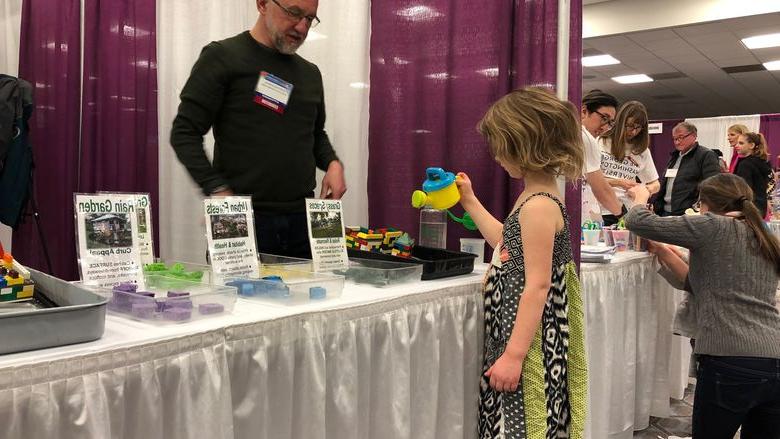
x: 466, y: 221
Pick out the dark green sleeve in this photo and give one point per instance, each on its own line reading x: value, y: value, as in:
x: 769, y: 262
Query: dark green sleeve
x: 201, y: 100
x: 323, y: 150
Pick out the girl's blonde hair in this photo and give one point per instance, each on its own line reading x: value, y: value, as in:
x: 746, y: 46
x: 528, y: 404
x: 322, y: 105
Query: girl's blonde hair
x: 738, y: 129
x: 618, y: 135
x: 534, y: 131
x: 762, y: 150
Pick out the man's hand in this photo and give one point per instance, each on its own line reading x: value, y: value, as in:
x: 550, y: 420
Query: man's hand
x: 226, y: 192
x: 333, y: 184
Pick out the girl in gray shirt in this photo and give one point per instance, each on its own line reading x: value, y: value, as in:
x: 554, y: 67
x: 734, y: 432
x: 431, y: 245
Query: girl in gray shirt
x: 733, y: 275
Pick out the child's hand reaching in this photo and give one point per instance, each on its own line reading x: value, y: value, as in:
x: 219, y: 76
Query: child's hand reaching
x: 464, y: 187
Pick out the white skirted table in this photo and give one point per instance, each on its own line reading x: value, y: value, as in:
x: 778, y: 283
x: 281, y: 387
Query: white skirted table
x: 396, y: 362
x: 635, y: 362
x: 399, y: 362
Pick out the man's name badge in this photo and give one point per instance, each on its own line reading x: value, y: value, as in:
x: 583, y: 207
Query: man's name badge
x: 272, y: 92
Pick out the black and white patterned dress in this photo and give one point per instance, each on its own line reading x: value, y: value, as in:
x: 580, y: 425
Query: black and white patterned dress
x: 550, y: 401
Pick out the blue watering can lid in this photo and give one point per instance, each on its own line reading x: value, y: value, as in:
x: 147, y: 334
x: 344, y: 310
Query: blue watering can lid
x: 437, y: 179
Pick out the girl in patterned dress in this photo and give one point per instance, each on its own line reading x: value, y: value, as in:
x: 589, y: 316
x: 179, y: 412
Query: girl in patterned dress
x: 534, y: 369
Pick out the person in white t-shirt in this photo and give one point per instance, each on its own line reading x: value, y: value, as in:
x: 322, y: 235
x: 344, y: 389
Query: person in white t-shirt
x: 625, y: 155
x: 597, y: 117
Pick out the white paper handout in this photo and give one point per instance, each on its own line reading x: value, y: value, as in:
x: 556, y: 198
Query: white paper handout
x: 145, y: 233
x: 143, y: 212
x: 230, y: 232
x: 107, y: 239
x: 326, y: 234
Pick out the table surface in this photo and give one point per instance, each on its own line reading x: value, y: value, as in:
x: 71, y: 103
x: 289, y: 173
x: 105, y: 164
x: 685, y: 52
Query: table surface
x: 602, y: 295
x: 121, y: 332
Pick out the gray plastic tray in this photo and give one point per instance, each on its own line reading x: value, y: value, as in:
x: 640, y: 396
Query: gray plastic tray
x: 79, y: 316
x: 381, y: 273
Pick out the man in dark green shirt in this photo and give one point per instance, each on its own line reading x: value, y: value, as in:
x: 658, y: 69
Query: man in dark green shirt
x: 266, y: 107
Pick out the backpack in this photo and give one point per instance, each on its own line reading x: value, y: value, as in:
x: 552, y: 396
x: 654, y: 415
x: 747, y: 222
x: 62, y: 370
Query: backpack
x: 16, y: 159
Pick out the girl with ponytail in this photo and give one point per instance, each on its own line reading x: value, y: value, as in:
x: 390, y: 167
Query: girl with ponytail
x: 754, y: 167
x: 733, y: 275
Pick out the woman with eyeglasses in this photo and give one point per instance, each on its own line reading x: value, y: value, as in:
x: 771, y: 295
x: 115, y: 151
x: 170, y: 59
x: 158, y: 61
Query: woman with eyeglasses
x: 597, y: 117
x: 733, y: 274
x: 754, y: 167
x: 625, y: 154
x: 732, y: 135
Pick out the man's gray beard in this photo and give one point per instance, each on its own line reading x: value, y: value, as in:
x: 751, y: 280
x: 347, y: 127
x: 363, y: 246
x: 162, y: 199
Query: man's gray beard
x: 285, y: 47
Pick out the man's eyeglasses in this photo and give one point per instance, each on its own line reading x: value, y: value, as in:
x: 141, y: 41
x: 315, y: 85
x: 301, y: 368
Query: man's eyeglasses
x: 311, y: 20
x: 680, y: 138
x: 605, y: 119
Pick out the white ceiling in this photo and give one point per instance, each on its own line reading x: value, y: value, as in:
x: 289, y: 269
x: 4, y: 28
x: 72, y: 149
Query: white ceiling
x: 697, y: 54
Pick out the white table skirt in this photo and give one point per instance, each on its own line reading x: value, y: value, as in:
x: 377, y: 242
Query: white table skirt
x: 398, y: 362
x: 635, y: 362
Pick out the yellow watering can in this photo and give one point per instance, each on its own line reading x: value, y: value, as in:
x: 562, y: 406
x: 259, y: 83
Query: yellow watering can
x: 439, y: 190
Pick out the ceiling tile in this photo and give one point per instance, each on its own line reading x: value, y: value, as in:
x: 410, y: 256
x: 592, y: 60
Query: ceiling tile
x: 701, y: 29
x: 757, y: 29
x: 686, y: 59
x: 725, y: 37
x: 698, y: 51
x: 613, y: 45
x: 645, y: 37
x: 723, y: 50
x: 743, y: 61
x: 768, y: 54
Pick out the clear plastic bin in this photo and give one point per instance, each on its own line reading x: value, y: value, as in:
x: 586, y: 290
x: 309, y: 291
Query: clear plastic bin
x: 187, y: 271
x: 164, y: 300
x: 381, y: 273
x: 274, y: 265
x: 290, y: 287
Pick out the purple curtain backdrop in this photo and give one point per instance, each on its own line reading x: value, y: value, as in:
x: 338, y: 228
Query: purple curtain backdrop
x: 661, y: 145
x: 436, y: 66
x: 770, y: 128
x: 119, y: 122
x: 50, y: 59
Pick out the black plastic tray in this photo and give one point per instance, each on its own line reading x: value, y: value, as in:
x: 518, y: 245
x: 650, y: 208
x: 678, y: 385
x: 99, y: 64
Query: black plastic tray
x: 437, y: 263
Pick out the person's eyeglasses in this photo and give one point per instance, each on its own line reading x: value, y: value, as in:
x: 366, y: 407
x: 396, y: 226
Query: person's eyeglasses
x: 633, y: 127
x: 311, y: 20
x: 605, y: 119
x: 680, y: 138
x: 697, y: 206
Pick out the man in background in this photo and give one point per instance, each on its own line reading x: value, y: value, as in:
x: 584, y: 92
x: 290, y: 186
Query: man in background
x: 266, y: 107
x: 688, y: 166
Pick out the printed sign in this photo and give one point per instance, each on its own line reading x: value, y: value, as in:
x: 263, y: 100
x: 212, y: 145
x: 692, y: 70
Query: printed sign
x: 145, y: 235
x: 230, y: 232
x: 326, y: 234
x: 107, y: 239
x: 655, y: 128
x: 143, y: 212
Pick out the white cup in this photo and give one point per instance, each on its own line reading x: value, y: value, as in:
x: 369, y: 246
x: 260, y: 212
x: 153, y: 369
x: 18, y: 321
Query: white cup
x: 475, y: 246
x: 591, y: 236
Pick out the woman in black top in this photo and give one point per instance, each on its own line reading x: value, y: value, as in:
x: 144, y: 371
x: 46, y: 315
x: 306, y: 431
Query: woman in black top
x: 753, y: 166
